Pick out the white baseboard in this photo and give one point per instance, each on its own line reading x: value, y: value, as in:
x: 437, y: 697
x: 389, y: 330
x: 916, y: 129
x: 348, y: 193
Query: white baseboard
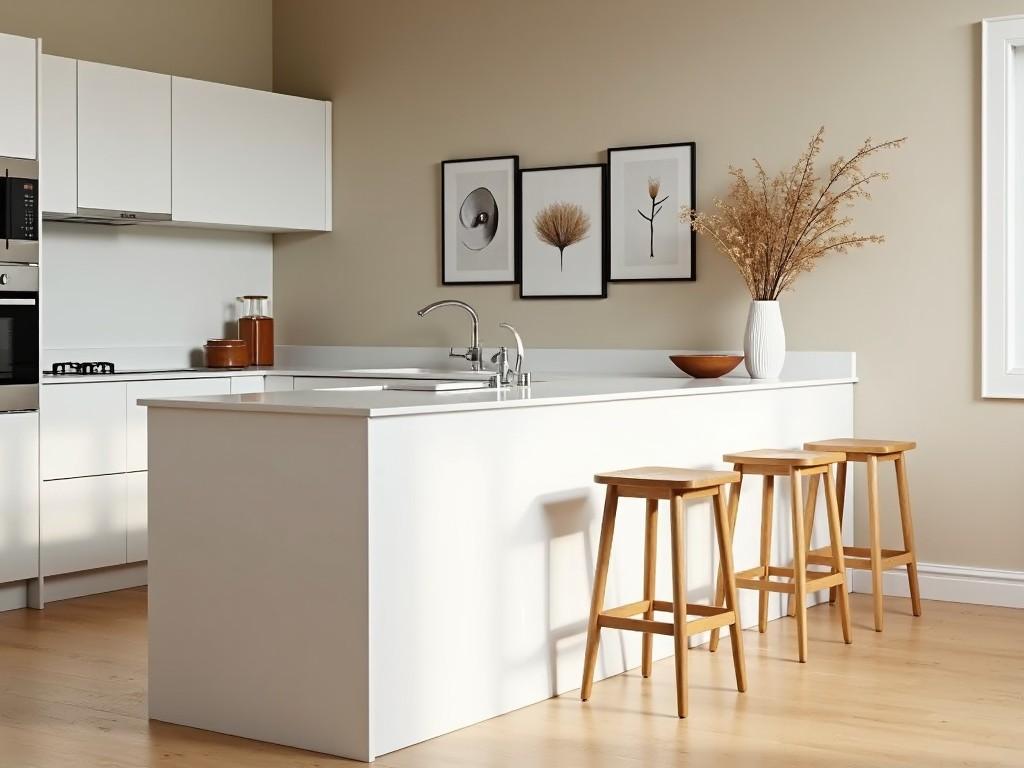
x: 84, y: 583
x: 952, y: 584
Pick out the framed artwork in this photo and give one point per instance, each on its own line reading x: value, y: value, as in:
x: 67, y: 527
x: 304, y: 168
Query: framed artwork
x: 646, y: 188
x: 479, y: 207
x: 563, y: 233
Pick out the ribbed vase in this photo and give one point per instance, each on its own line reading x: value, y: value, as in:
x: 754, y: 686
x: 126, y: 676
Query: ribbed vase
x: 764, y: 344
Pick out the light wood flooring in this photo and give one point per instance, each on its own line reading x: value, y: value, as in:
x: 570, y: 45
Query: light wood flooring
x: 943, y: 690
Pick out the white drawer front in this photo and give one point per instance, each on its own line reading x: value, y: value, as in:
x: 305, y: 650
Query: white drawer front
x: 82, y: 429
x: 82, y: 523
x: 241, y: 385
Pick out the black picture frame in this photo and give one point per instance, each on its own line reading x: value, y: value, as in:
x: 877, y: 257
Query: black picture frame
x: 448, y: 273
x: 612, y: 232
x: 603, y: 234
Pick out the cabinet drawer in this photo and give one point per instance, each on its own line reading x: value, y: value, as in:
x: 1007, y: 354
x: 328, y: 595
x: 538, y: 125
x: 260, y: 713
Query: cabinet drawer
x: 82, y: 523
x: 137, y: 458
x: 137, y: 516
x: 19, y: 497
x: 82, y: 429
x: 240, y: 385
x: 278, y: 384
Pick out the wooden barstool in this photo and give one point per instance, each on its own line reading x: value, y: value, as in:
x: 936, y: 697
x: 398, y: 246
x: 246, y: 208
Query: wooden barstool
x: 678, y: 486
x: 796, y: 465
x: 874, y: 558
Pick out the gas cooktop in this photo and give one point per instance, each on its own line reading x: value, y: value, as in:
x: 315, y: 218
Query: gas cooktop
x: 102, y: 368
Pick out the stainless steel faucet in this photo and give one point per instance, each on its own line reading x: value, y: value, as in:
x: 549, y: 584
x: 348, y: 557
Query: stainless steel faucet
x: 511, y: 374
x: 473, y: 353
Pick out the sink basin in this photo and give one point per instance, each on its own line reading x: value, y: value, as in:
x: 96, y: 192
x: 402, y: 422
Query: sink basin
x: 419, y: 373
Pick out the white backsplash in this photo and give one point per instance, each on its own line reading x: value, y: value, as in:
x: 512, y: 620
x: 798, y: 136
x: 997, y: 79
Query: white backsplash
x: 145, y: 293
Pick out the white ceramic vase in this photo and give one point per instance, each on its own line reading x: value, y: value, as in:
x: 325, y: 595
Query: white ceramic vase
x: 764, y: 344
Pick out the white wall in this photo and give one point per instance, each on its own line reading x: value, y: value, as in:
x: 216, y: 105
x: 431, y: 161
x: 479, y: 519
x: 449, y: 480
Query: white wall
x: 128, y: 287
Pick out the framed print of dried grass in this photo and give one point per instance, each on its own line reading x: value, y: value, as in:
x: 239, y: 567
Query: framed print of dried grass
x: 646, y: 187
x: 479, y: 202
x: 563, y: 233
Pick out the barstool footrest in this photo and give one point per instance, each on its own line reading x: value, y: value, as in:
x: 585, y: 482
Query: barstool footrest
x: 860, y: 557
x: 815, y: 580
x: 621, y: 617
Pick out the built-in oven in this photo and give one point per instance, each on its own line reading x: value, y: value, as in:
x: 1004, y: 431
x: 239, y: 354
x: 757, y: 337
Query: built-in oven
x: 19, y: 337
x: 19, y: 211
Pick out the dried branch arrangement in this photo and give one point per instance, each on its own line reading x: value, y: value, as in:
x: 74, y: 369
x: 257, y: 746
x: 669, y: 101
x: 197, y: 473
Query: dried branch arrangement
x: 773, y: 229
x: 561, y: 225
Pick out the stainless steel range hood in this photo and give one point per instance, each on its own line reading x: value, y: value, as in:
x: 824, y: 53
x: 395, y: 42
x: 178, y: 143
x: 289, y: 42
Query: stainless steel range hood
x: 108, y: 217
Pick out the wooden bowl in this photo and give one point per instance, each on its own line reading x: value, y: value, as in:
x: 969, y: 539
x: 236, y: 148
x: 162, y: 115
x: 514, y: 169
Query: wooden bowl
x: 706, y: 366
x: 226, y: 353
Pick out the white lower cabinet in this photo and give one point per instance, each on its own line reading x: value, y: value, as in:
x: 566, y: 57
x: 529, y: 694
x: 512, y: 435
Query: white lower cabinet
x: 136, y: 440
x: 82, y: 429
x: 279, y: 384
x: 241, y: 385
x: 19, y: 497
x: 137, y: 516
x: 82, y: 523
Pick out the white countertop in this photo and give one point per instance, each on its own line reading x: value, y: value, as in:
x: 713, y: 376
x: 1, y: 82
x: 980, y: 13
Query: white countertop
x: 555, y: 390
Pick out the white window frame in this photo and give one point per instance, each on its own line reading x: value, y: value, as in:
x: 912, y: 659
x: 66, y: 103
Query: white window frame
x: 1002, y: 320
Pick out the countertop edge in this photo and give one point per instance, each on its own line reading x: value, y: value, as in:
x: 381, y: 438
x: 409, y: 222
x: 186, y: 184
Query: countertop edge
x: 249, y: 403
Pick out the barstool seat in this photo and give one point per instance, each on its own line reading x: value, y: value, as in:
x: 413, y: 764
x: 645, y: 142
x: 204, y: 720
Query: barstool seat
x: 784, y: 460
x: 679, y: 486
x: 861, y: 445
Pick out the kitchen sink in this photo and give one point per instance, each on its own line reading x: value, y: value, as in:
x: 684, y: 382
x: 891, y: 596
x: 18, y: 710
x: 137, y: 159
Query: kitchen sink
x: 419, y: 373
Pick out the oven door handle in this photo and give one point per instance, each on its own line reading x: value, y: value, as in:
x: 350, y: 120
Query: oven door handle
x: 17, y: 302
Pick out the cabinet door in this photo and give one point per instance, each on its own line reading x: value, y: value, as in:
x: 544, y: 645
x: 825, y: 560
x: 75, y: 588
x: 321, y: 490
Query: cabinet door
x: 18, y: 62
x: 81, y: 429
x: 136, y: 418
x: 19, y: 496
x: 278, y: 384
x: 124, y: 139
x: 241, y: 385
x: 137, y: 516
x: 58, y: 135
x: 82, y: 523
x: 250, y: 158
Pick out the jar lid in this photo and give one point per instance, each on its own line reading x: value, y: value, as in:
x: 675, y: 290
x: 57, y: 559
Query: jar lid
x: 225, y: 342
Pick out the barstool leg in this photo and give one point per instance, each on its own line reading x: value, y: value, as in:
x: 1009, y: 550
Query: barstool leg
x: 679, y: 601
x: 908, y: 532
x: 734, y: 506
x: 650, y: 569
x: 604, y: 554
x: 810, y: 506
x: 732, y: 603
x: 767, y: 508
x: 799, y: 561
x: 835, y: 529
x: 841, y: 493
x: 875, y: 533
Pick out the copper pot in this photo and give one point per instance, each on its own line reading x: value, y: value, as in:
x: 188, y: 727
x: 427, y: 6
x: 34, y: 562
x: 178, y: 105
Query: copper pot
x: 226, y: 353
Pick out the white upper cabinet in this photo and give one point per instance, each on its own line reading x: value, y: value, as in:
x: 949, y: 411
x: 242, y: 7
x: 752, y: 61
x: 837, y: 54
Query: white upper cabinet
x: 124, y: 139
x: 246, y: 158
x: 58, y: 134
x: 18, y: 63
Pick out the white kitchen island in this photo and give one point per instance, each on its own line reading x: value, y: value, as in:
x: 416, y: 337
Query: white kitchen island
x: 356, y: 571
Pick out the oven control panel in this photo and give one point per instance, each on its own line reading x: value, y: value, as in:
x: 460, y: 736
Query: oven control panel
x: 19, y: 201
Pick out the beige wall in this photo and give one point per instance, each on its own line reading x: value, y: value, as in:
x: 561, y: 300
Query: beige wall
x: 414, y: 83
x: 226, y: 41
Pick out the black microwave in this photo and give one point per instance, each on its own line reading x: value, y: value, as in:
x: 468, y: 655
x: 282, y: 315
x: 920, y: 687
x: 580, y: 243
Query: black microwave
x: 19, y: 211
